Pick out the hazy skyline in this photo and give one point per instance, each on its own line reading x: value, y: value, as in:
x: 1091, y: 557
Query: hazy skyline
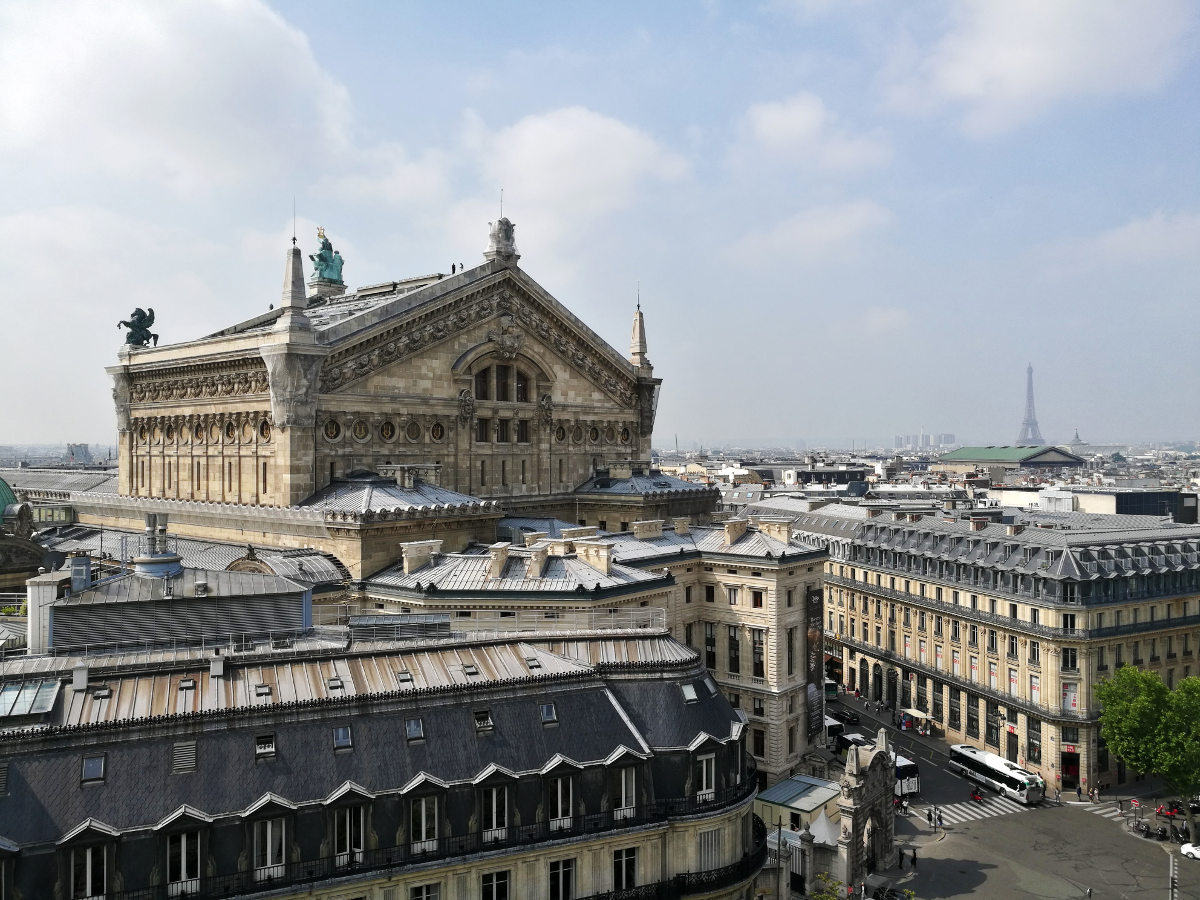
x: 848, y: 220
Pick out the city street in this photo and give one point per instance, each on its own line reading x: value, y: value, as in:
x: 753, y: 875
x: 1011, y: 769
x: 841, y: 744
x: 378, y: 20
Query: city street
x: 1003, y: 849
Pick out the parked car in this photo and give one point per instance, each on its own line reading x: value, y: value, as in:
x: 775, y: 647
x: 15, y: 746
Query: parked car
x: 1191, y: 851
x: 843, y: 715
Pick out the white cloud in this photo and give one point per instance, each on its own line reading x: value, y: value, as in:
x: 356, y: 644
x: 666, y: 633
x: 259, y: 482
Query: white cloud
x: 802, y: 129
x: 562, y: 172
x: 1003, y: 64
x: 1155, y: 239
x: 819, y: 234
x: 191, y: 95
x: 885, y: 320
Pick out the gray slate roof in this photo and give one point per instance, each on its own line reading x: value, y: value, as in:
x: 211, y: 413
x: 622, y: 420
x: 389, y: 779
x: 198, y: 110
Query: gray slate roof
x: 366, y: 491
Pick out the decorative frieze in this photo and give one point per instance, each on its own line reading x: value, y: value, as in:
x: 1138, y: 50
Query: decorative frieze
x: 152, y: 387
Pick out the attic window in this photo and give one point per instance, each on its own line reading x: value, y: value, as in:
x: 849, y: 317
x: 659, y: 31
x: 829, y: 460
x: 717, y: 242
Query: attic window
x: 549, y: 714
x: 264, y: 746
x: 414, y: 729
x: 93, y: 769
x: 404, y: 676
x: 187, y: 684
x: 335, y: 683
x: 483, y: 720
x: 470, y: 669
x: 712, y: 688
x: 689, y: 693
x: 262, y: 690
x: 342, y: 738
x: 103, y: 692
x: 533, y: 662
x: 3, y: 779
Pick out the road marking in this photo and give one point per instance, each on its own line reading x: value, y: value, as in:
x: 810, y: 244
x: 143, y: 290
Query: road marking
x: 970, y: 811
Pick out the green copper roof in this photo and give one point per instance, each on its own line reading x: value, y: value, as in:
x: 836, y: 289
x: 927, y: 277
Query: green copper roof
x: 1000, y: 454
x: 7, y: 496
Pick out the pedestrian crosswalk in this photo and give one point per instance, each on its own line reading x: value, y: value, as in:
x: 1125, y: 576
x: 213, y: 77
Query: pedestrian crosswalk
x: 970, y: 811
x: 1106, y: 810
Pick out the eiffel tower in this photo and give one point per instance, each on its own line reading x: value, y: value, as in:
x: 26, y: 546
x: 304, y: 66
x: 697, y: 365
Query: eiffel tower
x: 1030, y: 433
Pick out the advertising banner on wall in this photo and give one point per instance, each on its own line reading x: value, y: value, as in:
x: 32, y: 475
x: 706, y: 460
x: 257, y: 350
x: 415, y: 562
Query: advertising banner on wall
x: 814, y: 673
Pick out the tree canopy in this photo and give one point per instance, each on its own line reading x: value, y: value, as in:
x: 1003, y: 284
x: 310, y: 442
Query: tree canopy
x: 1156, y: 730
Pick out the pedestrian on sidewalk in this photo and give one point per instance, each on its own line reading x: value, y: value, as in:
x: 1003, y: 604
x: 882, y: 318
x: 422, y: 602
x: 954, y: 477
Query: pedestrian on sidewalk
x: 901, y: 859
x: 1058, y: 796
x: 1079, y: 793
x: 929, y: 816
x: 939, y: 821
x: 914, y: 859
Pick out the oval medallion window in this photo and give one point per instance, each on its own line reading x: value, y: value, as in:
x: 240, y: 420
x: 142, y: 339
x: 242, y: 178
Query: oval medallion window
x: 214, y: 432
x: 156, y: 434
x: 560, y: 434
x: 333, y: 430
x: 412, y: 430
x: 170, y: 433
x: 142, y: 434
x: 247, y: 431
x: 437, y: 431
x: 593, y: 434
x: 230, y: 432
x: 609, y: 435
x: 624, y: 435
x: 387, y: 431
x: 264, y: 430
x: 577, y: 434
x: 360, y: 429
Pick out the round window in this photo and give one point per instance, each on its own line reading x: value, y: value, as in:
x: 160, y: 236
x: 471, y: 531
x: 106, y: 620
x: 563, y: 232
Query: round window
x: 142, y: 434
x: 360, y: 429
x: 170, y: 432
x: 577, y: 434
x: 624, y: 435
x: 333, y: 430
x: 412, y: 430
x: 560, y: 434
x: 437, y: 431
x: 264, y: 430
x: 230, y: 432
x: 593, y: 434
x: 387, y: 431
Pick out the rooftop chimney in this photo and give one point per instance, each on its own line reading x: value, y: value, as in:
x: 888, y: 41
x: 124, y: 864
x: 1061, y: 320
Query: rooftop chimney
x: 778, y: 528
x: 79, y: 677
x: 498, y: 554
x: 1014, y: 528
x: 417, y: 553
x: 536, y: 563
x: 583, y: 531
x: 681, y: 525
x: 532, y: 537
x: 648, y: 528
x: 597, y: 554
x: 81, y: 571
x: 734, y: 529
x: 216, y: 665
x: 978, y: 523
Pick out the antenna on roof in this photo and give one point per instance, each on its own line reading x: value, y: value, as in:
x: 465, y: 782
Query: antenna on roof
x: 502, y: 203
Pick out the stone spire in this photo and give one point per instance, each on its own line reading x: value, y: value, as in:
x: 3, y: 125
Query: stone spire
x: 502, y: 242
x: 637, y: 343
x: 294, y: 299
x: 293, y: 280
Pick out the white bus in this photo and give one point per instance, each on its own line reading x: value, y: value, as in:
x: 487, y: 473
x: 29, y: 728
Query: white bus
x: 1004, y: 777
x: 908, y: 777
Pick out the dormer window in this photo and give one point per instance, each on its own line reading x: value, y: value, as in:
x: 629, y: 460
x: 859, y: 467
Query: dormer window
x: 93, y: 769
x: 102, y: 692
x: 483, y: 720
x: 689, y: 693
x: 187, y: 684
x: 335, y: 684
x: 414, y: 729
x: 342, y: 738
x: 262, y: 690
x: 533, y: 662
x: 549, y: 714
x: 404, y: 677
x: 264, y: 746
x: 470, y: 669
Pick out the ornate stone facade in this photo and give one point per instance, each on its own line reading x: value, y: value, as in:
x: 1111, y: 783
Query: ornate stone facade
x: 482, y: 374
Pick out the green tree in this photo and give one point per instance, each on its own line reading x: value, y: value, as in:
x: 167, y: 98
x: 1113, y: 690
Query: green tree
x: 1155, y: 729
x: 828, y: 888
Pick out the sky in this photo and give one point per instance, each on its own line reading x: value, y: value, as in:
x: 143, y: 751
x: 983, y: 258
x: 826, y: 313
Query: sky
x: 844, y: 220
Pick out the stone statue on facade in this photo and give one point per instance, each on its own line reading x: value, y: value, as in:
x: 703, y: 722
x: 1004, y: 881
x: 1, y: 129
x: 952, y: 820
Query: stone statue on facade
x: 508, y: 339
x: 466, y: 406
x: 139, y: 323
x: 327, y: 262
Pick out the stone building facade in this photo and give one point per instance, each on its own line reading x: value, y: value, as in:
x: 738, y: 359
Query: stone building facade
x: 481, y: 374
x: 997, y: 631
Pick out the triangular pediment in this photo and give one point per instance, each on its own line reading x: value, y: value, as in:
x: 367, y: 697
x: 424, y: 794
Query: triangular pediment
x: 489, y: 309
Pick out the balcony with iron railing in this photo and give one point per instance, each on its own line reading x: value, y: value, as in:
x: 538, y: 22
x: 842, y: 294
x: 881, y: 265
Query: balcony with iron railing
x: 979, y: 615
x: 390, y: 861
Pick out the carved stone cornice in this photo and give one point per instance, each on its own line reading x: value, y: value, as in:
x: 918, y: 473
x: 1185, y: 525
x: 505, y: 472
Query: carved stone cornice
x: 509, y: 305
x: 199, y: 382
